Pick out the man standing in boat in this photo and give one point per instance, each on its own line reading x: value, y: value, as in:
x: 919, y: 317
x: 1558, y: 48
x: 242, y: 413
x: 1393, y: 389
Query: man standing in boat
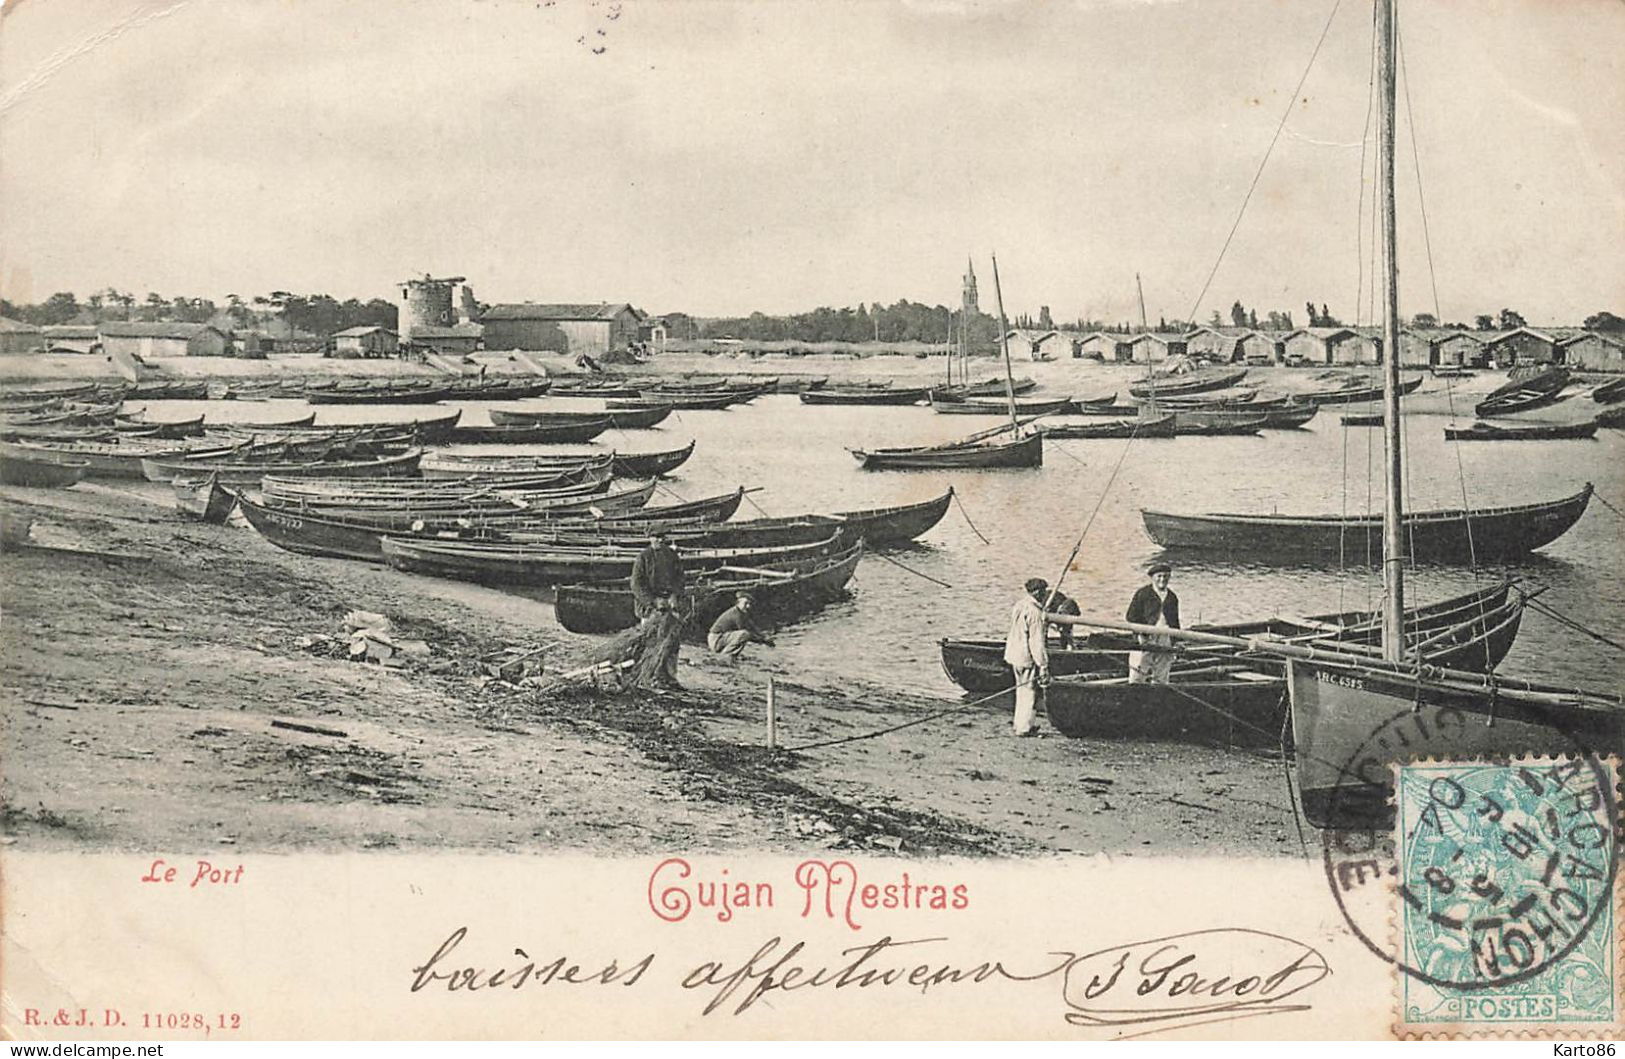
x: 1153, y: 604
x: 1028, y: 653
x: 657, y: 586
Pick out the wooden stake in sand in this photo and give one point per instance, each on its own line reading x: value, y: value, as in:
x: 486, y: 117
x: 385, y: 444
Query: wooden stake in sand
x: 772, y: 715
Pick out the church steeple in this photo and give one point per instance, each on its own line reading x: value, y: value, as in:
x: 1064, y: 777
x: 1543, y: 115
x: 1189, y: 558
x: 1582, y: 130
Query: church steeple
x: 967, y: 298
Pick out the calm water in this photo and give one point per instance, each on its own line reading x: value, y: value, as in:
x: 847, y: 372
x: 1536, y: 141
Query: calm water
x: 888, y: 630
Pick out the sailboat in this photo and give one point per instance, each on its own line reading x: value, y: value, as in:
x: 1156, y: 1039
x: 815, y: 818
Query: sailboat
x: 1000, y: 447
x: 1352, y: 719
x: 1355, y: 715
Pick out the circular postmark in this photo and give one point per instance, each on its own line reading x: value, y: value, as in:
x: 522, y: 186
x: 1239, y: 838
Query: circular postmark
x: 1494, y: 869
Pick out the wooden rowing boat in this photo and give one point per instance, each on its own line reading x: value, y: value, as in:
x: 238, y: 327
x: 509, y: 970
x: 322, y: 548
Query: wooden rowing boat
x: 159, y: 428
x: 782, y: 590
x: 1197, y: 381
x: 983, y: 407
x: 1529, y: 432
x: 1450, y: 536
x: 1239, y: 702
x: 898, y: 524
x: 986, y: 453
x: 1146, y: 426
x: 163, y: 469
x: 880, y: 395
x: 651, y: 464
x: 1609, y: 392
x: 1524, y: 391
x: 205, y: 500
x: 20, y: 465
x: 979, y: 667
x: 544, y: 566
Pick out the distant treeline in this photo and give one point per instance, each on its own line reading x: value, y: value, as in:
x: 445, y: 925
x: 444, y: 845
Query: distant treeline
x: 318, y: 314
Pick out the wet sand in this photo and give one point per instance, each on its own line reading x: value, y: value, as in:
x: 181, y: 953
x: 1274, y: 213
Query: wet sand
x: 139, y: 695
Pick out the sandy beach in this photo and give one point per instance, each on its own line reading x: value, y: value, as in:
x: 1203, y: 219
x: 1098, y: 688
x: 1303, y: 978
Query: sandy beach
x: 148, y: 687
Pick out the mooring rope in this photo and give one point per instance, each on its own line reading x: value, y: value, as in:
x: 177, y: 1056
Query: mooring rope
x: 1564, y: 619
x: 961, y: 505
x: 910, y: 569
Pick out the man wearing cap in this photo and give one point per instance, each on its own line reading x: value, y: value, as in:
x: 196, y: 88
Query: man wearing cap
x: 657, y: 577
x: 1153, y: 604
x: 733, y: 630
x: 657, y: 586
x: 1027, y: 653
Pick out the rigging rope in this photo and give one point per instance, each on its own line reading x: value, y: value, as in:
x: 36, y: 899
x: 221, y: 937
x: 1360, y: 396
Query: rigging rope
x: 1604, y: 502
x: 1291, y: 102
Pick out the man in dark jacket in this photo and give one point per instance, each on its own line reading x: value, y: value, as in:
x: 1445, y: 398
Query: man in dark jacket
x: 1153, y: 604
x: 657, y: 577
x: 657, y: 587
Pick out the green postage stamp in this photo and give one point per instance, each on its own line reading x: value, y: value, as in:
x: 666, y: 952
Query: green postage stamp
x: 1506, y: 905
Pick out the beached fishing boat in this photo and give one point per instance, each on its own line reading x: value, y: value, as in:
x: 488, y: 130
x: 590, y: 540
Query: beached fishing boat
x: 985, y: 388
x: 205, y: 500
x: 605, y: 390
x: 233, y: 470
x: 20, y: 465
x: 573, y: 432
x: 61, y: 434
x: 880, y: 395
x: 1447, y: 536
x: 524, y: 417
x: 1239, y: 701
x: 1195, y: 424
x: 1609, y: 392
x: 782, y: 590
x: 159, y: 428
x: 696, y: 401
x: 650, y: 415
x: 983, y: 407
x: 399, y: 393
x: 1186, y: 378
x: 1356, y: 394
x: 978, y: 666
x: 651, y: 464
x: 494, y: 435
x: 1526, y: 389
x: 1146, y: 426
x: 1529, y: 432
x: 116, y: 459
x: 294, y: 420
x: 1214, y: 420
x: 544, y: 566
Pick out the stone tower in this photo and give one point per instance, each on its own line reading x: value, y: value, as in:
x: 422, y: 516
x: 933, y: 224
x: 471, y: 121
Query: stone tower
x: 967, y: 298
x: 426, y: 303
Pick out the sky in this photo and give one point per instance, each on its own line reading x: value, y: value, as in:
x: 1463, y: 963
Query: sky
x: 722, y: 157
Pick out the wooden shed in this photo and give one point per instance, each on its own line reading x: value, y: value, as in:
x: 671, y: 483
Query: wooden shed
x: 1102, y: 345
x: 1522, y: 345
x: 373, y: 341
x: 1313, y: 344
x: 18, y: 337
x: 1222, y: 344
x: 459, y: 338
x: 1592, y: 352
x: 562, y: 328
x: 164, y: 339
x: 1152, y: 348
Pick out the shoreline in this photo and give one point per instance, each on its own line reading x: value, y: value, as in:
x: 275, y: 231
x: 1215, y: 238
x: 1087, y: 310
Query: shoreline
x: 142, y: 691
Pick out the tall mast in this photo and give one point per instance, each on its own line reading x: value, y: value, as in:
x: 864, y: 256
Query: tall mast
x: 1004, y: 339
x: 1393, y: 534
x: 1143, y: 325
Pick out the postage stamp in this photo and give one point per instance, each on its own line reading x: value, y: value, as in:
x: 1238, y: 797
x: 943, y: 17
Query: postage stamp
x: 1507, y: 911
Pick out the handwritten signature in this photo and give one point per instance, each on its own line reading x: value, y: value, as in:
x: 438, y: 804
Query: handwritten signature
x: 1159, y: 984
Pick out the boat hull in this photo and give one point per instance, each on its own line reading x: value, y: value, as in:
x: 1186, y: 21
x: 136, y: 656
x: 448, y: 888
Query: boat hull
x: 1027, y: 452
x: 1432, y: 536
x: 1246, y: 709
x: 609, y: 607
x: 885, y: 526
x: 1350, y: 724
